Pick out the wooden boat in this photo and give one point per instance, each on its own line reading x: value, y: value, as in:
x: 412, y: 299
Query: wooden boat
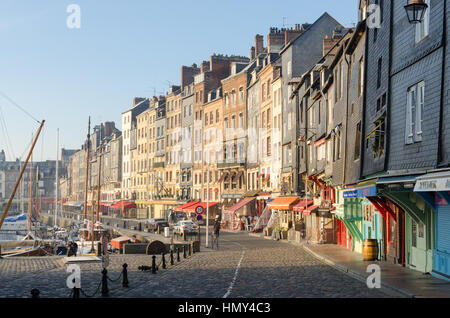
x: 34, y: 251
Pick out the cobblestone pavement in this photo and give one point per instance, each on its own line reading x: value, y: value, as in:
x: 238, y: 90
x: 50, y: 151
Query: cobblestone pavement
x: 243, y: 267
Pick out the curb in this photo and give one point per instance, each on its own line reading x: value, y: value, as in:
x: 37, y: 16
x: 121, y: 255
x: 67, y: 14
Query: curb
x: 355, y: 274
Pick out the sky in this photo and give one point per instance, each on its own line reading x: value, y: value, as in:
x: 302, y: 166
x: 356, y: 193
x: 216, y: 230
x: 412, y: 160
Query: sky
x: 122, y: 49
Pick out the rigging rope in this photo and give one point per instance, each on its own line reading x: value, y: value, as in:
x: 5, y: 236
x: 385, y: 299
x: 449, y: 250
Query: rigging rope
x: 18, y: 106
x: 9, y: 147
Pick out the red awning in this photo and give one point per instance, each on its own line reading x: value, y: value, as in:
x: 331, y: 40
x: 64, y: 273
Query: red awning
x: 312, y: 208
x: 192, y: 208
x: 283, y: 203
x: 123, y: 205
x: 301, y: 205
x: 183, y: 206
x: 239, y: 205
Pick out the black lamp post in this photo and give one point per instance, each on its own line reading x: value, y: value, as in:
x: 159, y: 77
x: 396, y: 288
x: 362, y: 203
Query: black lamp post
x: 415, y: 10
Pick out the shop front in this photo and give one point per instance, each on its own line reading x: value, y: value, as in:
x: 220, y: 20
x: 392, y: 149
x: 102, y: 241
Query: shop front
x: 282, y: 215
x: 241, y: 216
x: 410, y: 225
x: 434, y: 188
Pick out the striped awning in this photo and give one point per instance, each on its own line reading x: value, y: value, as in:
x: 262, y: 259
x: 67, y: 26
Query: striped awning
x: 283, y: 203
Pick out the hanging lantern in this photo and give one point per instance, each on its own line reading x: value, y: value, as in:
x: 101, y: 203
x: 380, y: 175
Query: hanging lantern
x: 415, y: 10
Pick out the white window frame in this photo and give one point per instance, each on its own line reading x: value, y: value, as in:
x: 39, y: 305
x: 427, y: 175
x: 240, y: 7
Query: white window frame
x: 423, y: 28
x: 414, y: 113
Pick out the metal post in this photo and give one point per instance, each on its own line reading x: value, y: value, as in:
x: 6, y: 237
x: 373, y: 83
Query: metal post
x: 171, y: 257
x: 190, y: 249
x: 76, y: 293
x: 105, y: 290
x: 35, y: 293
x: 153, y: 264
x: 125, y: 275
x: 178, y: 254
x: 1, y: 252
x: 184, y: 251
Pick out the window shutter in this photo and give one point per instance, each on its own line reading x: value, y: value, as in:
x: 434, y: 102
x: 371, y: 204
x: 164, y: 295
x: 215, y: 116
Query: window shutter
x: 419, y: 111
x: 409, y: 129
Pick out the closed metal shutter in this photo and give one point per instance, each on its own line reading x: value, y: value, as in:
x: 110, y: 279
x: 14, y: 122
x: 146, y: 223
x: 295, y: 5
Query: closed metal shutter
x: 443, y: 229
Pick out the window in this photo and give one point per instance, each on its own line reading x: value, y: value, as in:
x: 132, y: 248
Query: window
x: 361, y: 77
x: 269, y: 147
x: 233, y: 97
x: 380, y: 64
x: 241, y: 95
x: 263, y: 92
x: 358, y: 141
x: 227, y: 100
x: 423, y: 28
x: 217, y: 116
x: 414, y: 111
x: 241, y: 121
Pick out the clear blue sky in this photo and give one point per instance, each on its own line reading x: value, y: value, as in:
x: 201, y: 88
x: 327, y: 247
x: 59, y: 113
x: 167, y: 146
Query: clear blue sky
x: 123, y: 49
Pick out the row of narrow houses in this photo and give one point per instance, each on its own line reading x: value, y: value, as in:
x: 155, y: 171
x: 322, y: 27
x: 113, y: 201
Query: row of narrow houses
x: 327, y: 134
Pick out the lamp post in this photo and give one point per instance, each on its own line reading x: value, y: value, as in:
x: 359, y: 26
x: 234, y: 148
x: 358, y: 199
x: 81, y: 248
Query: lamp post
x: 415, y: 10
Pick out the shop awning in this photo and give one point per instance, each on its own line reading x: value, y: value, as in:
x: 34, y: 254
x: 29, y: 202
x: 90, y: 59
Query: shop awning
x: 397, y: 179
x: 433, y: 182
x: 283, y: 203
x: 301, y: 205
x: 312, y: 208
x: 191, y: 209
x: 123, y: 205
x: 183, y: 206
x: 239, y: 205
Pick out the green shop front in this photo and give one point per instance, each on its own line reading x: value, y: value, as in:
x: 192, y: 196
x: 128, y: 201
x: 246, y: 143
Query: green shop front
x: 410, y: 226
x: 434, y: 188
x: 361, y: 218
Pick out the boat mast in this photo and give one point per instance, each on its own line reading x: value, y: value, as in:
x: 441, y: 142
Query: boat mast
x: 99, y: 171
x: 57, y: 176
x: 20, y: 176
x: 30, y: 191
x: 87, y: 169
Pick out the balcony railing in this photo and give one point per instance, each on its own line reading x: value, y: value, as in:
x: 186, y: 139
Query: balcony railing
x: 158, y: 165
x: 231, y: 163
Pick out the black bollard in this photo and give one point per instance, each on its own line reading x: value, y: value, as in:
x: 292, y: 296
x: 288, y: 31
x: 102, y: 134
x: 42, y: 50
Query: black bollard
x: 184, y: 251
x: 1, y: 252
x: 125, y: 275
x: 35, y: 293
x: 76, y: 293
x: 178, y: 254
x: 105, y: 290
x: 163, y: 260
x: 153, y: 264
x: 171, y: 257
x: 190, y: 249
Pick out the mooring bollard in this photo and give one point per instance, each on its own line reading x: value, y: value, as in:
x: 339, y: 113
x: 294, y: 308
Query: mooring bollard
x: 184, y: 251
x: 105, y: 290
x: 153, y: 264
x: 178, y: 254
x: 171, y: 257
x: 190, y: 249
x: 163, y: 260
x: 35, y: 293
x: 76, y: 293
x: 125, y: 275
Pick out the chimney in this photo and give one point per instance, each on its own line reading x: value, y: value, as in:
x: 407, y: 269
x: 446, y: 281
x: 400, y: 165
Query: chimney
x: 137, y: 100
x: 204, y: 67
x: 252, y: 53
x: 275, y: 40
x: 329, y: 43
x: 291, y: 34
x: 259, y: 44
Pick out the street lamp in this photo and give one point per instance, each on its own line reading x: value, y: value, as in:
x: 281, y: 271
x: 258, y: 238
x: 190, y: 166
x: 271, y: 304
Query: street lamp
x: 415, y: 10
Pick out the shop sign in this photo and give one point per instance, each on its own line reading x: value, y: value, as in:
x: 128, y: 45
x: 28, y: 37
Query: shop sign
x: 433, y: 185
x: 361, y: 192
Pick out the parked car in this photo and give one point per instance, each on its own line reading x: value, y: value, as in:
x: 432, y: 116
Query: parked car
x: 185, y: 227
x: 158, y: 223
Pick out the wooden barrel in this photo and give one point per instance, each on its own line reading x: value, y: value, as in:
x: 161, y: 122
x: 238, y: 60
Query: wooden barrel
x: 370, y: 250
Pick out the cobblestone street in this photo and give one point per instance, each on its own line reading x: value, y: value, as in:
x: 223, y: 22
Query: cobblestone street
x: 243, y: 267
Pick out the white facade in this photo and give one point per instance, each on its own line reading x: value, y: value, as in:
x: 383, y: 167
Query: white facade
x: 126, y: 153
